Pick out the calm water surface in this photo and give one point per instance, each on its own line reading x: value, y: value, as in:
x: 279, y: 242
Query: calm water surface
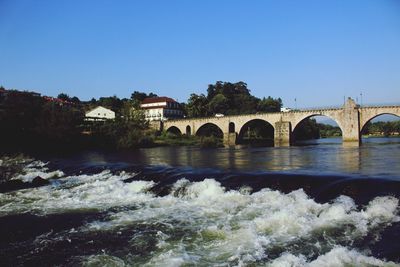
x: 377, y: 157
x: 318, y: 204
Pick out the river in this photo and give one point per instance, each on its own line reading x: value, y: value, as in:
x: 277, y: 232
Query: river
x: 318, y: 204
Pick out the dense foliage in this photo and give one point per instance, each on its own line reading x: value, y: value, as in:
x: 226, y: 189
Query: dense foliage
x: 310, y: 129
x: 326, y: 130
x: 386, y: 128
x: 229, y: 99
x: 32, y: 122
x: 28, y: 121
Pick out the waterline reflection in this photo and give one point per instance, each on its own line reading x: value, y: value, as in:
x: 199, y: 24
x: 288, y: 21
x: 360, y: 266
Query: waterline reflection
x: 325, y: 156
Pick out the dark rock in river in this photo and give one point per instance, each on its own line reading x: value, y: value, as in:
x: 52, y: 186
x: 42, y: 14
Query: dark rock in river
x: 39, y: 181
x: 12, y: 185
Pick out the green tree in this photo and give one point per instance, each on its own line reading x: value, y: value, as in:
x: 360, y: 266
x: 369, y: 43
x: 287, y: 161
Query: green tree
x: 307, y: 129
x: 112, y: 102
x: 269, y: 104
x: 138, y: 96
x: 243, y: 104
x: 197, y: 106
x: 75, y: 100
x: 218, y: 104
x: 59, y: 123
x: 63, y: 96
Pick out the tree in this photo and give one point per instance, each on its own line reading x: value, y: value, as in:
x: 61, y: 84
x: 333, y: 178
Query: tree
x: 231, y: 99
x: 269, y: 105
x: 138, y: 96
x: 197, y: 106
x: 307, y: 129
x: 58, y: 123
x: 63, y: 96
x: 218, y: 104
x: 75, y: 100
x: 243, y: 104
x: 112, y: 102
x: 151, y: 95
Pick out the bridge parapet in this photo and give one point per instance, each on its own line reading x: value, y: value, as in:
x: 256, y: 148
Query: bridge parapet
x: 375, y: 107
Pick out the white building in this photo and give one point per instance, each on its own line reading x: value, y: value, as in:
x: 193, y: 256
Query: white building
x: 100, y: 114
x: 161, y: 108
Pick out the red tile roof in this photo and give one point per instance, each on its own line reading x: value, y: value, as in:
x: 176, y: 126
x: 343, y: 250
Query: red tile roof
x: 151, y: 100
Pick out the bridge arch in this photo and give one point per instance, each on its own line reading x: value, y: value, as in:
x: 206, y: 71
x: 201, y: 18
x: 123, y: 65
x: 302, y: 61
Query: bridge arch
x: 208, y: 129
x: 310, y: 115
x: 188, y: 130
x: 174, y: 130
x: 373, y: 116
x: 231, y: 127
x: 297, y: 126
x: 256, y: 131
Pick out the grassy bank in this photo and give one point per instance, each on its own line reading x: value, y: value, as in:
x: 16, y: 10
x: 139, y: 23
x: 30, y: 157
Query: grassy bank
x: 168, y: 139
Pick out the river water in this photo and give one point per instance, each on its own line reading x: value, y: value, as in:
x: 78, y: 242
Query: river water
x: 319, y: 204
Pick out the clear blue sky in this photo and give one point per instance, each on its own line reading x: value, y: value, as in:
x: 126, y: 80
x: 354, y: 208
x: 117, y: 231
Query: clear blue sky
x: 315, y: 51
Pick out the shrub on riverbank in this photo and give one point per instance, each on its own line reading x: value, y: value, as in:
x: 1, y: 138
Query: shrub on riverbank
x: 170, y: 139
x: 210, y: 141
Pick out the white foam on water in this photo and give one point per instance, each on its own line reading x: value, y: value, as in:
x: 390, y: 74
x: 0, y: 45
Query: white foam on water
x: 35, y: 169
x: 238, y: 228
x: 103, y: 260
x: 83, y: 192
x: 201, y: 223
x: 9, y: 161
x: 337, y: 257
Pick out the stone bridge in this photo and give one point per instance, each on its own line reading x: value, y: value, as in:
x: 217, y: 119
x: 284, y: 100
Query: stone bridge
x: 351, y: 119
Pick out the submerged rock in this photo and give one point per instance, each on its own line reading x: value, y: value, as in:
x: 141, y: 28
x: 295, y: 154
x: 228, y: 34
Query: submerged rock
x: 12, y: 185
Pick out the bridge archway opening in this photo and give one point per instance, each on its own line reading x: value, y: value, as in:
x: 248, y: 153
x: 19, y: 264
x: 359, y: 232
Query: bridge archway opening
x: 188, y: 130
x: 381, y: 126
x: 210, y: 135
x: 316, y: 129
x: 209, y: 129
x: 174, y: 131
x: 256, y: 133
x: 231, y: 127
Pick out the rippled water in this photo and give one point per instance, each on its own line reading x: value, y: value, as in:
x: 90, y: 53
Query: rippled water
x: 315, y: 205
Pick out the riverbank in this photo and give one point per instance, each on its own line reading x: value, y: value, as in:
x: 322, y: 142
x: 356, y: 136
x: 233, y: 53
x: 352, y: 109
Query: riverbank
x: 380, y: 136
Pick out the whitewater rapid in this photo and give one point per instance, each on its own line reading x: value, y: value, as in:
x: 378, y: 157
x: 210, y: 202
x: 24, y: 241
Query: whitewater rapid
x: 202, y: 223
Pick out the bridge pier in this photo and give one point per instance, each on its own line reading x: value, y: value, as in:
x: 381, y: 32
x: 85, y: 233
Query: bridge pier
x: 351, y: 122
x: 283, y: 130
x: 229, y: 139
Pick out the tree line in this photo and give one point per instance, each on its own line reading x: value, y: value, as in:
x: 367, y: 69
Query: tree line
x: 229, y: 99
x: 30, y: 121
x: 311, y: 129
x: 385, y: 128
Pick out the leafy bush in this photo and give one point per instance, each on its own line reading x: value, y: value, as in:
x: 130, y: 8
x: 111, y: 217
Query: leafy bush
x: 210, y: 141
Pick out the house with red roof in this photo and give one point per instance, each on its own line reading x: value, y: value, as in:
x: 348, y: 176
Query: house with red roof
x: 161, y: 108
